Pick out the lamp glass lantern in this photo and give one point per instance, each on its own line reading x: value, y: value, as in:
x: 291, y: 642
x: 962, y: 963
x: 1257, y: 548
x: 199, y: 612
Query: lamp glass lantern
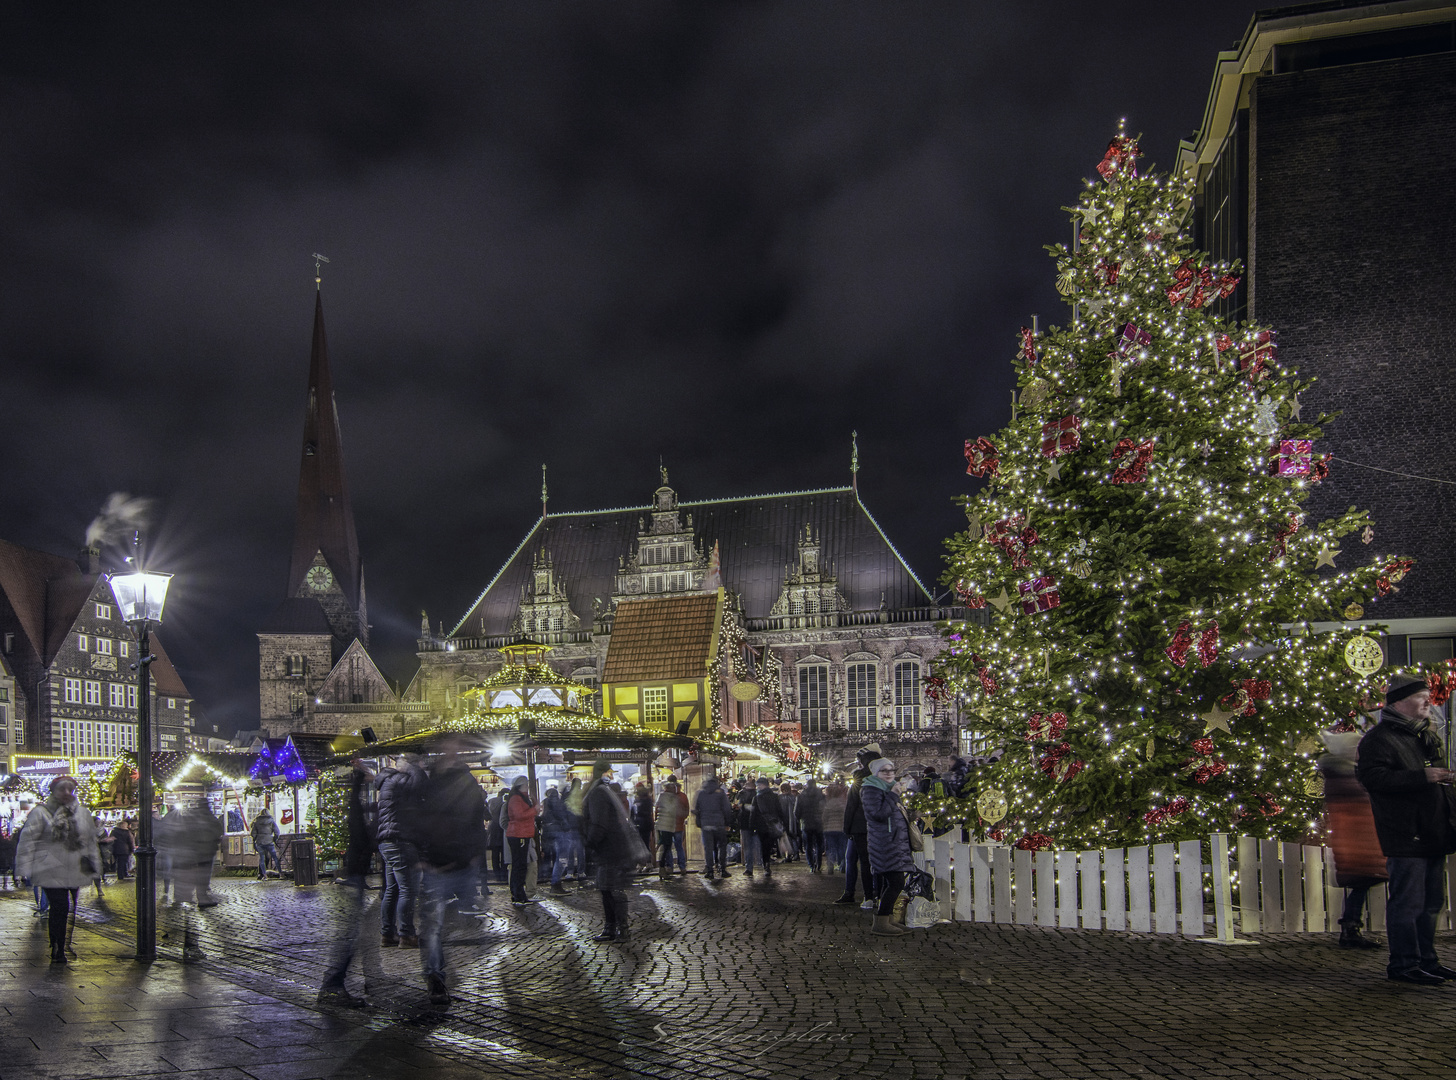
x: 140, y: 595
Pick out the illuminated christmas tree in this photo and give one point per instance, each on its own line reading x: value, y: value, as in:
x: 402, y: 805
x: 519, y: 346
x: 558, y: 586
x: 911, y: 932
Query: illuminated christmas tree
x: 1150, y: 576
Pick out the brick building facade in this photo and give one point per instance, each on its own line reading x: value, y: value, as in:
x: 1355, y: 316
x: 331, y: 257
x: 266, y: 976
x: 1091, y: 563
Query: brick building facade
x: 1325, y: 162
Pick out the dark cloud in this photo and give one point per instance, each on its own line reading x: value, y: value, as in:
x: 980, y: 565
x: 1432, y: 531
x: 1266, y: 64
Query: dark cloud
x: 582, y: 234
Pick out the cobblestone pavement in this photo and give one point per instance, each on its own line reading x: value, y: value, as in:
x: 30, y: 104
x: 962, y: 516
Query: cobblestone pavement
x: 737, y: 978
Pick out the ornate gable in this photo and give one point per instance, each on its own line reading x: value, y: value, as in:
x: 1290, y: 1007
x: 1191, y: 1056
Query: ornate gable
x: 666, y: 559
x: 355, y: 680
x: 544, y: 609
x: 810, y: 592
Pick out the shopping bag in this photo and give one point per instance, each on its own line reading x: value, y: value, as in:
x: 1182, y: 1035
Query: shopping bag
x: 920, y: 913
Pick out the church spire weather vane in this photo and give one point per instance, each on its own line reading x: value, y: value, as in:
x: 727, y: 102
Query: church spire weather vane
x: 318, y: 270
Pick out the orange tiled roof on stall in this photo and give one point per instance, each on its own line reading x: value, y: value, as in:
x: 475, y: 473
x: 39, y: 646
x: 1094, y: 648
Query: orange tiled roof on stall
x: 666, y: 637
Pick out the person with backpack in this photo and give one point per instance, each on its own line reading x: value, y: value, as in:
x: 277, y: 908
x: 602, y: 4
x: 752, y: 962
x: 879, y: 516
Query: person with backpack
x: 810, y: 808
x: 614, y: 846
x: 520, y: 835
x: 452, y: 817
x: 398, y: 817
x: 265, y: 843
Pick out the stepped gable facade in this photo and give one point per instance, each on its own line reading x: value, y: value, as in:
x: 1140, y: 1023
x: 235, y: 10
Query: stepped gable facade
x: 810, y: 576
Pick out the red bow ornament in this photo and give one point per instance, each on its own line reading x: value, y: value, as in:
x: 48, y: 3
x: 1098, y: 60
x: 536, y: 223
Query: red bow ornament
x: 1060, y: 437
x: 1013, y: 540
x: 1170, y: 809
x: 1044, y: 727
x: 1255, y: 357
x: 1390, y: 573
x: 936, y: 688
x: 1196, y: 286
x: 982, y: 458
x: 1130, y: 460
x: 983, y: 672
x: 1027, y: 352
x: 1120, y: 159
x: 1280, y: 547
x: 974, y: 601
x: 1058, y: 763
x: 1109, y: 271
x: 1241, y: 700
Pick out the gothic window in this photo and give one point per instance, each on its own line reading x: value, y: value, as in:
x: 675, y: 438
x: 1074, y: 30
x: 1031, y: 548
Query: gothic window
x: 907, y: 695
x: 814, y: 697
x: 296, y: 702
x: 654, y: 705
x: 860, y: 683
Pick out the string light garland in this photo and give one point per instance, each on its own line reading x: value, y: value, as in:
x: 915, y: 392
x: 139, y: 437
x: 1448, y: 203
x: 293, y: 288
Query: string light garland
x: 1164, y: 537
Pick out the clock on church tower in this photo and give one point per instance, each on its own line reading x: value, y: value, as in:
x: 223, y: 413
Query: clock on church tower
x: 319, y: 579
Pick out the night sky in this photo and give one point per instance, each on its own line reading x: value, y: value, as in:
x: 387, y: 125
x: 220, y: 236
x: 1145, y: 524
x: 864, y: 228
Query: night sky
x: 582, y: 234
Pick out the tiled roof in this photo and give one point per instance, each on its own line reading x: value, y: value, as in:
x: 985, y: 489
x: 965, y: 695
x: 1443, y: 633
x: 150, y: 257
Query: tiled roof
x: 25, y: 575
x: 669, y: 637
x: 757, y: 541
x: 164, y: 674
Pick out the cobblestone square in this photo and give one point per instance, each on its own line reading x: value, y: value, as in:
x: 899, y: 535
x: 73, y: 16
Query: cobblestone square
x: 741, y: 978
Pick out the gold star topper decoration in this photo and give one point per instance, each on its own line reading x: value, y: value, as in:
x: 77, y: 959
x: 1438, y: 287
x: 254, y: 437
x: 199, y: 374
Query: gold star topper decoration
x: 1216, y: 719
x: 1000, y: 602
x: 1326, y: 557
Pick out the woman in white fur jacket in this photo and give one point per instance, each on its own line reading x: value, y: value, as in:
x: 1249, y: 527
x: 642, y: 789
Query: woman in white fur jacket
x: 58, y: 853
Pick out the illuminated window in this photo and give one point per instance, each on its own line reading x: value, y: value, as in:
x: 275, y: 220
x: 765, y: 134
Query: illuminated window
x: 814, y: 697
x: 654, y: 705
x: 860, y: 684
x: 907, y: 695
x: 131, y: 697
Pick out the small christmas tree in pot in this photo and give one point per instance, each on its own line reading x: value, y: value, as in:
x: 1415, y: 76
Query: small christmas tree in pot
x: 1150, y: 666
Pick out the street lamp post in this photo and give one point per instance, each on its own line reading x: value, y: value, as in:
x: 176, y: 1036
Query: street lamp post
x: 140, y: 597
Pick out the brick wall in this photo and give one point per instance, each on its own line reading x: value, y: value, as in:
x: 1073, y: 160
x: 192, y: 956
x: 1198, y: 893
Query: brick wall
x: 1353, y: 216
x: 276, y: 685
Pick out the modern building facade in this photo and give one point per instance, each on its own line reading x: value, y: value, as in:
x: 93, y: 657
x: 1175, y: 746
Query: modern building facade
x: 1325, y: 163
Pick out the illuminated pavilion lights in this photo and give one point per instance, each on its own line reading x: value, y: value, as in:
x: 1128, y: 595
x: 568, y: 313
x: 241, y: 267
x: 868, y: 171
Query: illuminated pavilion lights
x: 1198, y: 539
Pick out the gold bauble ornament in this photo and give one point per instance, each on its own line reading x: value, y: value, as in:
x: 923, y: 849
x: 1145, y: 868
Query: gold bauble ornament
x: 1034, y: 393
x: 1314, y: 785
x: 991, y: 805
x: 1354, y: 611
x: 1363, y: 655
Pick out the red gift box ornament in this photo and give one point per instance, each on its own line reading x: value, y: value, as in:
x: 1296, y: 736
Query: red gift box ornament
x: 1120, y: 159
x: 1039, y: 594
x: 982, y: 457
x: 1296, y: 457
x: 1060, y: 437
x: 1257, y: 356
x: 1131, y: 341
x: 1027, y: 352
x: 1130, y: 460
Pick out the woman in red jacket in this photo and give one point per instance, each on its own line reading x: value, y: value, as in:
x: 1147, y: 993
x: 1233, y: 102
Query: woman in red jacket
x: 520, y: 832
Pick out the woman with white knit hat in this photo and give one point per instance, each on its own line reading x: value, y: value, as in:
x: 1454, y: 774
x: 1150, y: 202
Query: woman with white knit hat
x: 888, y: 833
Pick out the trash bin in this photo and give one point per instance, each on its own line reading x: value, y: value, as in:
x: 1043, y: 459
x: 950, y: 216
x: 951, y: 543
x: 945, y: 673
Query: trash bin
x: 305, y: 862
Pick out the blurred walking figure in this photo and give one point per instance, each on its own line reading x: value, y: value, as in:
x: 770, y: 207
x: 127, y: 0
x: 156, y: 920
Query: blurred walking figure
x: 672, y: 815
x: 562, y: 826
x: 857, y: 853
x: 1400, y: 762
x: 122, y: 846
x: 789, y: 801
x: 1359, y: 862
x: 747, y: 838
x: 452, y: 818
x: 520, y: 835
x: 495, y: 835
x: 713, y: 812
x: 643, y: 818
x: 766, y: 819
x: 810, y: 810
x: 888, y: 835
x: 265, y: 843
x: 7, y: 861
x: 614, y: 846
x: 193, y: 840
x: 357, y: 857
x: 58, y: 853
x: 836, y: 796
x: 398, y: 822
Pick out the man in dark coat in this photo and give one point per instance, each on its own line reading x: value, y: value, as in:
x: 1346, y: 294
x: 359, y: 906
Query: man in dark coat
x: 766, y: 819
x: 857, y: 856
x: 811, y: 823
x: 1400, y: 764
x: 357, y: 857
x: 614, y: 846
x: 452, y: 820
x: 712, y: 812
x: 400, y: 791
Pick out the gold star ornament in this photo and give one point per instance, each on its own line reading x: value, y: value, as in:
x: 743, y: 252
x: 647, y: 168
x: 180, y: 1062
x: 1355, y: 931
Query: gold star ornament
x: 1217, y: 719
x: 1326, y: 557
x: 1000, y: 602
x: 1054, y: 470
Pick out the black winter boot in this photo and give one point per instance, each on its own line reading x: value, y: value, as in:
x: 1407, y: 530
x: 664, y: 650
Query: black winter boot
x: 1351, y: 938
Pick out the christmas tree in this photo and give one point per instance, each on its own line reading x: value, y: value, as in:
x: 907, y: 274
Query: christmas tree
x: 1149, y: 665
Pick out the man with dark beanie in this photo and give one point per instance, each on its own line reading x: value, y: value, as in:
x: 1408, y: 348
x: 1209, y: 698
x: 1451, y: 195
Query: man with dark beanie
x: 614, y: 846
x: 1401, y: 763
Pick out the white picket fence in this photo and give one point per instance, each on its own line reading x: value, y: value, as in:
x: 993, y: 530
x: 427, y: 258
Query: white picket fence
x: 1253, y: 885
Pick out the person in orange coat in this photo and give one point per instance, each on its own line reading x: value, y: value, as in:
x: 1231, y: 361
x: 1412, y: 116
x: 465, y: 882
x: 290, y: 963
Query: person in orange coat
x: 1359, y: 862
x: 520, y: 835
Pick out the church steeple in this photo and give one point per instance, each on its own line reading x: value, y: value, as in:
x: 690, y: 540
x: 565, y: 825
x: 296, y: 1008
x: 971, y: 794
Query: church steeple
x: 324, y: 524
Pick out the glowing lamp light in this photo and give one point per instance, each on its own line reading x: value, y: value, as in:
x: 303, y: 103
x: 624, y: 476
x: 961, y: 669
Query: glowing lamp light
x: 140, y: 595
x: 501, y: 749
